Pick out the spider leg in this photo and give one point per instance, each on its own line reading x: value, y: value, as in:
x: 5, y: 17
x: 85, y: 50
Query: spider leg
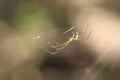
x: 57, y: 50
x: 88, y: 35
x: 51, y: 52
x: 86, y: 30
x: 62, y: 46
x: 68, y: 30
x: 57, y: 43
x: 81, y: 37
x: 65, y: 44
x: 59, y: 46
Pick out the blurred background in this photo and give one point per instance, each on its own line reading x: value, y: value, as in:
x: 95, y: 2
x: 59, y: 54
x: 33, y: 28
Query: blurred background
x: 29, y: 29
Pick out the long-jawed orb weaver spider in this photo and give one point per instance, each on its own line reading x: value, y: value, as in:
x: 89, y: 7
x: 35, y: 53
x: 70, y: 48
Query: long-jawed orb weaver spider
x: 75, y: 36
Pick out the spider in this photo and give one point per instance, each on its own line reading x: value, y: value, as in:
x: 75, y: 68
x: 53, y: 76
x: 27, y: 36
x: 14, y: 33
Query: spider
x: 75, y: 36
